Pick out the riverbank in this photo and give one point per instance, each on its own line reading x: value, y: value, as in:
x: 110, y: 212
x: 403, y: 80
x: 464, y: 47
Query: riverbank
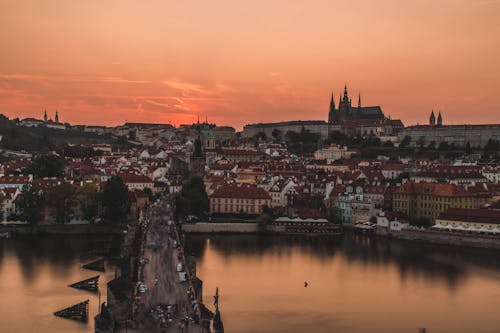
x: 60, y: 229
x: 223, y: 228
x: 446, y: 238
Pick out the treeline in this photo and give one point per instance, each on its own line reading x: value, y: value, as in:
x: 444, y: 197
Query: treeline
x: 44, y: 139
x: 64, y: 202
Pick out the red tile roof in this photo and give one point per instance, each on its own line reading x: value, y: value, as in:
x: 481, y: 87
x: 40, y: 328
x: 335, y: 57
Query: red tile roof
x: 241, y: 192
x: 472, y: 215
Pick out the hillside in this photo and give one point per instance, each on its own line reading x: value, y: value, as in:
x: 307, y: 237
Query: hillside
x: 42, y: 139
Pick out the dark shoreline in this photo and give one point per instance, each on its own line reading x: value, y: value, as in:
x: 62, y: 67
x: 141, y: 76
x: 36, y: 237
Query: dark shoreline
x: 62, y: 229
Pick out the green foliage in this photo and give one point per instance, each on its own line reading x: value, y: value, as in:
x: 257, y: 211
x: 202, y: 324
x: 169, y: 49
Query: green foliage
x: 89, y: 198
x: 335, y: 215
x: 193, y: 199
x: 79, y: 151
x: 491, y: 148
x: 443, y: 146
x: 115, y: 200
x: 388, y: 144
x: 421, y: 142
x: 2, y: 198
x: 276, y: 133
x: 44, y: 139
x: 304, y: 142
x: 405, y: 142
x: 149, y: 193
x: 29, y: 203
x: 261, y: 136
x: 263, y: 220
x: 338, y: 138
x: 62, y: 199
x: 468, y: 149
x: 46, y: 166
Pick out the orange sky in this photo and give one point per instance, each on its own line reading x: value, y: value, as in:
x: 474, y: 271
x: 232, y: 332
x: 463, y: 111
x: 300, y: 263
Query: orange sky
x: 110, y: 61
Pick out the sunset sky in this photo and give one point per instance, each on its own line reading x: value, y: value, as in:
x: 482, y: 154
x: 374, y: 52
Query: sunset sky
x: 237, y: 62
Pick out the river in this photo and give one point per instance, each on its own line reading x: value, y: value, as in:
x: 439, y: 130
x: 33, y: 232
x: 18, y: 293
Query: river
x: 34, y: 275
x: 356, y: 284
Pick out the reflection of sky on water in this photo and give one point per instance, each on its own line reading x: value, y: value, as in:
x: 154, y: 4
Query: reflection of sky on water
x: 34, y: 275
x: 354, y: 280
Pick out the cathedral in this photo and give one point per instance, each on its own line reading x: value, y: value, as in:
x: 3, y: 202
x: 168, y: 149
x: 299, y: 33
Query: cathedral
x: 346, y: 111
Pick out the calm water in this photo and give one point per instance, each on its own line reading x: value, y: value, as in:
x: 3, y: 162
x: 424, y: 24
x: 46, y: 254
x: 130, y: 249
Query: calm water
x: 34, y: 274
x: 356, y: 284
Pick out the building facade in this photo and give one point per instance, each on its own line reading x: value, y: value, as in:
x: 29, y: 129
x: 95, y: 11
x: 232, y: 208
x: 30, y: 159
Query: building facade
x: 234, y: 199
x: 428, y: 200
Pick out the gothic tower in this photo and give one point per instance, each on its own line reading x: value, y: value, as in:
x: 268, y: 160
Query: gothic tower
x: 331, y: 112
x: 440, y: 119
x: 432, y: 119
x: 45, y: 116
x: 56, y: 119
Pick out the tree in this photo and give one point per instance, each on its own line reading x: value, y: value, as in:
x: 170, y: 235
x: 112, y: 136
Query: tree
x: 30, y: 203
x: 468, y: 149
x: 62, y: 199
x: 337, y: 137
x: 149, y: 193
x: 302, y: 143
x: 388, y: 144
x: 491, y: 148
x: 261, y: 136
x: 335, y: 215
x: 193, y: 199
x: 89, y: 198
x: 405, y: 142
x: 443, y: 146
x: 263, y: 220
x: 276, y: 134
x: 46, y: 166
x: 421, y: 142
x: 115, y: 200
x: 432, y: 145
x: 2, y: 198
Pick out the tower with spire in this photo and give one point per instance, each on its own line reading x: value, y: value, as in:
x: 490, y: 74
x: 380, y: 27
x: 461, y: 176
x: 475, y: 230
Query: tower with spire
x: 440, y: 119
x: 346, y: 111
x: 56, y: 118
x: 45, y: 116
x: 432, y: 119
x: 331, y: 112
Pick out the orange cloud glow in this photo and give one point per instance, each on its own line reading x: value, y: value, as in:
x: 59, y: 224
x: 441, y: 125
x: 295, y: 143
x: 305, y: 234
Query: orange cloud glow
x: 240, y: 62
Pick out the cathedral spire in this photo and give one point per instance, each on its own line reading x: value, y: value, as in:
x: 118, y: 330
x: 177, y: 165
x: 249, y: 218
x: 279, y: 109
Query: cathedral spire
x: 432, y: 119
x: 332, y: 103
x: 45, y: 115
x: 440, y: 119
x: 56, y: 118
x: 359, y: 100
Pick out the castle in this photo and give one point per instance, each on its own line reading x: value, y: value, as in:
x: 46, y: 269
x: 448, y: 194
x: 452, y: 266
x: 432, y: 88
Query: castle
x: 346, y: 111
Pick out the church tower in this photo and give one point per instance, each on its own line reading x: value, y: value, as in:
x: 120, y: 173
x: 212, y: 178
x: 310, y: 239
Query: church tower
x: 56, y: 118
x: 331, y: 112
x: 432, y: 119
x: 345, y: 104
x: 45, y: 116
x: 440, y: 119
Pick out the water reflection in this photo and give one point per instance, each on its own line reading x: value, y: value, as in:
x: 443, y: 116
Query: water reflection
x: 34, y: 274
x: 352, y: 278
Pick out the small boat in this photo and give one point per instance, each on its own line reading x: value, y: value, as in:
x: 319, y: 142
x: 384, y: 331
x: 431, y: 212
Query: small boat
x: 4, y: 234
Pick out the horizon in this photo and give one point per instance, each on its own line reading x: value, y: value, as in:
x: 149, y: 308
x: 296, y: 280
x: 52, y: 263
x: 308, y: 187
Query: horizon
x: 166, y: 62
